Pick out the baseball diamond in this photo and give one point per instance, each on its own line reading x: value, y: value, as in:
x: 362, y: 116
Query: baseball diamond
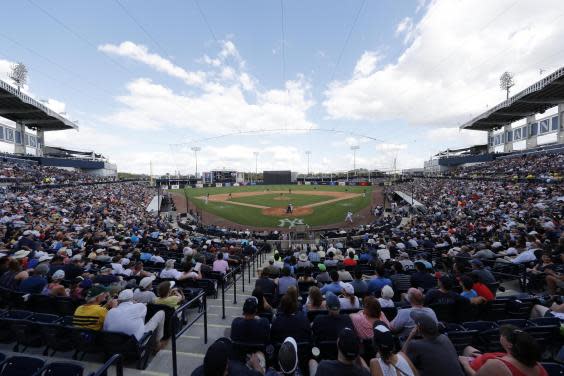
x: 267, y: 206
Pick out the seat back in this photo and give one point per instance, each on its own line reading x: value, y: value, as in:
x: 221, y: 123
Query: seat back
x: 168, y: 311
x: 311, y: 315
x: 21, y: 366
x: 553, y: 369
x: 496, y: 310
x: 118, y: 343
x: 461, y: 338
x: 444, y: 312
x: 61, y: 369
x: 40, y: 303
x: 520, y: 323
x: 390, y: 312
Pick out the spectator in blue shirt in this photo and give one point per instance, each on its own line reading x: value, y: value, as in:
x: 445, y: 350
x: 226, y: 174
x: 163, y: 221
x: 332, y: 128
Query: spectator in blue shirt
x: 378, y: 281
x: 335, y: 286
x: 468, y: 292
x: 37, y: 281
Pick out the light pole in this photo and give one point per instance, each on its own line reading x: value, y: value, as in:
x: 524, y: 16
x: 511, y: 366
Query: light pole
x: 256, y: 153
x: 196, y: 149
x: 354, y: 148
x: 308, y: 153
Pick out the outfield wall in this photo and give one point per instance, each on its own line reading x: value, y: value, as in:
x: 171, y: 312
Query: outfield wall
x: 178, y: 185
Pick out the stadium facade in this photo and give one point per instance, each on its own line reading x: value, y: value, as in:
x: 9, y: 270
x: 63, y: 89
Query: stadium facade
x: 530, y: 121
x: 23, y: 123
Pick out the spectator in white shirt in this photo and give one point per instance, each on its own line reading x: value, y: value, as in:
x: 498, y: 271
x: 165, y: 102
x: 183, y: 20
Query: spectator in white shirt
x: 129, y: 318
x: 220, y: 265
x: 145, y: 294
x: 169, y: 272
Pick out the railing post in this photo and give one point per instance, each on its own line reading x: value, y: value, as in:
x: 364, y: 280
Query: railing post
x: 254, y: 261
x: 234, y: 286
x: 205, y: 318
x: 249, y: 271
x: 243, y: 274
x: 119, y: 366
x: 174, y: 319
x: 223, y: 296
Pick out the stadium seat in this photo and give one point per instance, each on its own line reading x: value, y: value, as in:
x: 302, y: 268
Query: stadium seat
x: 487, y: 338
x: 127, y: 345
x: 390, y: 312
x: 20, y: 366
x: 520, y: 323
x: 495, y: 310
x: 28, y: 333
x: 444, y: 312
x: 553, y: 369
x: 56, y: 337
x: 6, y: 322
x: 61, y: 369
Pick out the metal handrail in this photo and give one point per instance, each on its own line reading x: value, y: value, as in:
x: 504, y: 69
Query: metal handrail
x: 176, y: 334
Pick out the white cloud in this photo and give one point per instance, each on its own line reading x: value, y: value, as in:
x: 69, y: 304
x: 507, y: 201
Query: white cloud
x: 221, y: 105
x: 405, y: 27
x: 456, y: 137
x: 141, y: 54
x: 391, y: 147
x: 450, y: 69
x: 366, y: 64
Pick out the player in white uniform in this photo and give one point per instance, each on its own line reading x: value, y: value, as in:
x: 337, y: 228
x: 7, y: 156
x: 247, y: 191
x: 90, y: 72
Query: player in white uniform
x: 349, y: 217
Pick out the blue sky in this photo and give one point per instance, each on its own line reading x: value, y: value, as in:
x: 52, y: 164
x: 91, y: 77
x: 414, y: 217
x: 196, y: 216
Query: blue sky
x: 409, y: 74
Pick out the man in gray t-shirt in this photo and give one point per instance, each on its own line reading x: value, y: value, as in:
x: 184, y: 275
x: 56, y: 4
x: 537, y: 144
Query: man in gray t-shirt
x: 434, y: 354
x: 403, y: 323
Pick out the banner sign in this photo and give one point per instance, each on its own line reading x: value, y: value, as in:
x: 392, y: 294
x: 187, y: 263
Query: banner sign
x: 199, y: 185
x: 218, y: 185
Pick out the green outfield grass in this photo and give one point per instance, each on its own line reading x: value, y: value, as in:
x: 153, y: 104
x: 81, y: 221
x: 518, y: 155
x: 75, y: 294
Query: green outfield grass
x: 331, y: 213
x: 278, y: 200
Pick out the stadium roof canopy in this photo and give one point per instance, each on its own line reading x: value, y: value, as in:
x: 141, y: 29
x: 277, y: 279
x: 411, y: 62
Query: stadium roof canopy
x: 535, y: 99
x: 19, y: 107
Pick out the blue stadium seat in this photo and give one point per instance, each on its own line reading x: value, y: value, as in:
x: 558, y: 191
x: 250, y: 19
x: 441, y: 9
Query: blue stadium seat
x: 20, y: 366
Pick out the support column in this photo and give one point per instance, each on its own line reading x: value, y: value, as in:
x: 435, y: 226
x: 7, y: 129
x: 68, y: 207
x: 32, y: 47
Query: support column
x: 531, y: 140
x: 40, y: 142
x: 560, y: 123
x: 508, y: 146
x: 19, y: 148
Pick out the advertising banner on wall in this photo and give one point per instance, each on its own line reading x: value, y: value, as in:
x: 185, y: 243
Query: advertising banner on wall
x: 342, y: 183
x: 199, y: 185
x: 175, y: 186
x: 218, y: 185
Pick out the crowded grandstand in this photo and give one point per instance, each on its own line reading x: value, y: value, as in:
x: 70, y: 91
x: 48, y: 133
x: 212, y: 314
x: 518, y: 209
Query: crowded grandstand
x: 454, y: 267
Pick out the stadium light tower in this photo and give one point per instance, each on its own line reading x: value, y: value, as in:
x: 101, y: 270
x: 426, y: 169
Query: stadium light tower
x: 256, y: 153
x: 308, y: 153
x: 506, y: 82
x: 196, y: 149
x: 354, y: 148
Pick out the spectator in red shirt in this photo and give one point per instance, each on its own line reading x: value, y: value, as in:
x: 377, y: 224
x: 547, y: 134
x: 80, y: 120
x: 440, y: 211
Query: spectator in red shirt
x: 481, y: 289
x: 350, y: 261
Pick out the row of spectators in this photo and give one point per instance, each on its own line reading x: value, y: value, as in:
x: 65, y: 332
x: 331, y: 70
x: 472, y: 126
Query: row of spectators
x: 36, y: 175
x: 539, y: 166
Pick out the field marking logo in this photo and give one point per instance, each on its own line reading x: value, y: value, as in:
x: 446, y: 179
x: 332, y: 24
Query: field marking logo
x: 290, y: 222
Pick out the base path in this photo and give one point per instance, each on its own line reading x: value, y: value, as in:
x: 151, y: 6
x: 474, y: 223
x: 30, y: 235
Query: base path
x: 281, y: 211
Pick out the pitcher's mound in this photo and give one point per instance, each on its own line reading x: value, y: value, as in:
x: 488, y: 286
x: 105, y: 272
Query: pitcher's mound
x: 281, y: 212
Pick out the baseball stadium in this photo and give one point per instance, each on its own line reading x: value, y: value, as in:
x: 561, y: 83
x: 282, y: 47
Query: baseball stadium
x: 282, y: 188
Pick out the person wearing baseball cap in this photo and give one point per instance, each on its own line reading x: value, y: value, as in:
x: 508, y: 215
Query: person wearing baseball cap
x: 145, y: 294
x: 250, y: 328
x: 327, y: 327
x: 387, y: 361
x: 434, y: 354
x: 129, y: 318
x: 348, y: 361
x: 93, y: 308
